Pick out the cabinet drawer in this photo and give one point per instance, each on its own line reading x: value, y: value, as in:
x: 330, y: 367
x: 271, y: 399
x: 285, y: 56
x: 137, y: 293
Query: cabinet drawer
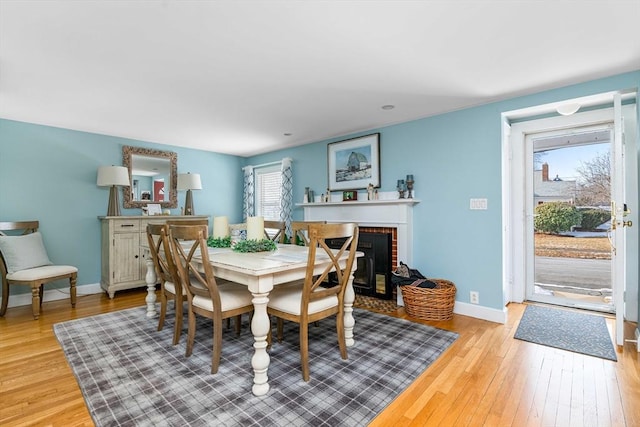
x: 126, y: 225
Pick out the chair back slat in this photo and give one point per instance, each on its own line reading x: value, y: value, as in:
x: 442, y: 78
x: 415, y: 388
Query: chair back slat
x: 157, y: 235
x: 188, y: 222
x: 27, y: 227
x: 300, y: 229
x: 188, y: 241
x: 279, y: 227
x: 318, y: 248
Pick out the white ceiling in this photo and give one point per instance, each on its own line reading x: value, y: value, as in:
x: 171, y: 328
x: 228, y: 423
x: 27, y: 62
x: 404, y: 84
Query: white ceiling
x: 235, y: 76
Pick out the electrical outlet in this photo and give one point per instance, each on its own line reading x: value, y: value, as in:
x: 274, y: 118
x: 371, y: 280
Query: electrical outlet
x: 474, y: 297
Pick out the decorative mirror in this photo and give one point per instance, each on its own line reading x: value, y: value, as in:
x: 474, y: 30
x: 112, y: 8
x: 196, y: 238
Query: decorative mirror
x: 153, y: 175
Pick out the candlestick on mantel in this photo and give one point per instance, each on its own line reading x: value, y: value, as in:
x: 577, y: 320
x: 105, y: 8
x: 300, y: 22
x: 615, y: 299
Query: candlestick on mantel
x: 255, y: 228
x: 220, y: 227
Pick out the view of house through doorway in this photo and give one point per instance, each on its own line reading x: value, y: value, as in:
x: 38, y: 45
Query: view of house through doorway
x: 572, y: 178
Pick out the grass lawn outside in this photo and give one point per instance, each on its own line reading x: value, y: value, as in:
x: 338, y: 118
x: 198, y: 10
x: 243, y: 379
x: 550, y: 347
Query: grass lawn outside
x: 551, y: 245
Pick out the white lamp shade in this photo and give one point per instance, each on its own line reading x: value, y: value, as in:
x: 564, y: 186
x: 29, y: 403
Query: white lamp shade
x: 113, y: 175
x: 189, y: 181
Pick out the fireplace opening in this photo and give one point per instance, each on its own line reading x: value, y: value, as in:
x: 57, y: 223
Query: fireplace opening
x: 373, y: 274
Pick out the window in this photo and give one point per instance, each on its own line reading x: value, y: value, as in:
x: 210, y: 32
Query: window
x: 268, y: 191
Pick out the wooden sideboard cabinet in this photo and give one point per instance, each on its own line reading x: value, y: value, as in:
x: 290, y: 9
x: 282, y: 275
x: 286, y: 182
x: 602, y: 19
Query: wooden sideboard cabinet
x: 123, y: 238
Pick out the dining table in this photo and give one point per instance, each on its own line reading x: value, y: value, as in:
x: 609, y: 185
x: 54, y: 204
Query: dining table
x: 261, y: 272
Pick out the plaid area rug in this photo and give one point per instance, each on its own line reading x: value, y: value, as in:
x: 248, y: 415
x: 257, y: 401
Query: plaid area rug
x: 567, y: 330
x: 375, y: 304
x: 130, y: 374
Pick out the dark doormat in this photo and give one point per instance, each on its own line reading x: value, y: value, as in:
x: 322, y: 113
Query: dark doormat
x: 567, y: 330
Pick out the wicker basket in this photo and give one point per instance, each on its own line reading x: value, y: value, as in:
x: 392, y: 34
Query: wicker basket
x: 430, y: 304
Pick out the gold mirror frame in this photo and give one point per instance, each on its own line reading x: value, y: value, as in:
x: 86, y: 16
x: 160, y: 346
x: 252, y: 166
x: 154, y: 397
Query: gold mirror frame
x: 127, y: 153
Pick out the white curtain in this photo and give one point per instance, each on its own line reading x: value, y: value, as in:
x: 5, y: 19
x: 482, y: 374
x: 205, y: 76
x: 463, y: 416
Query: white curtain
x: 286, y: 193
x: 286, y: 199
x: 248, y: 202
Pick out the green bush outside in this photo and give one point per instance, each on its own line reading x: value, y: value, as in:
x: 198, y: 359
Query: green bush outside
x: 556, y: 217
x: 591, y: 218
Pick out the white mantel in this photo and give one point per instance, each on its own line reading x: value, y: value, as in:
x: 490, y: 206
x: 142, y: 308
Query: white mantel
x: 396, y: 213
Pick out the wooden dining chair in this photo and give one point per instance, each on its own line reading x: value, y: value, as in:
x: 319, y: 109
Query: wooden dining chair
x: 300, y: 231
x: 204, y: 296
x: 188, y: 222
x: 24, y: 261
x: 312, y: 301
x: 275, y: 230
x: 170, y: 286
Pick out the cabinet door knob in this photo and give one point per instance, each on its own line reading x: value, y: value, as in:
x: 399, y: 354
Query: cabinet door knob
x: 136, y: 256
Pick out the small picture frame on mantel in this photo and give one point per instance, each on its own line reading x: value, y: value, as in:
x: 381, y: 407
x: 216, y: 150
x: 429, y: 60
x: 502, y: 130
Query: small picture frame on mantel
x: 154, y: 209
x: 349, y: 196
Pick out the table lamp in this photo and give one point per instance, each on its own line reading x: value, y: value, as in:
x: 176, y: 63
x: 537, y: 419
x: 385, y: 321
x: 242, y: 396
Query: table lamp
x: 111, y: 176
x: 189, y: 181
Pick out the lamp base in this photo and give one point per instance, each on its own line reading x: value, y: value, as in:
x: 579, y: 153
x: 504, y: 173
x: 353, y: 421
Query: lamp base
x: 114, y: 203
x: 188, y: 204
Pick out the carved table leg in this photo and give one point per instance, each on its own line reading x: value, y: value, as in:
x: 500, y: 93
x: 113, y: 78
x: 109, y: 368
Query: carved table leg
x: 260, y: 328
x: 150, y: 278
x: 349, y: 321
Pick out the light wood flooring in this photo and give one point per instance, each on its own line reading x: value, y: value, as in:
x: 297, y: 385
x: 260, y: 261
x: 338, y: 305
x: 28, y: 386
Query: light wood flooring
x: 486, y: 378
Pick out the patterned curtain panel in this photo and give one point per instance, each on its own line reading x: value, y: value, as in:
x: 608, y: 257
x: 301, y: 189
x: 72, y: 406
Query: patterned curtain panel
x: 286, y: 201
x: 248, y: 202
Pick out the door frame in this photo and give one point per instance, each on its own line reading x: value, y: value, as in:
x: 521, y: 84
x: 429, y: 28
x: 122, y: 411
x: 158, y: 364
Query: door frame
x: 514, y: 182
x: 529, y: 217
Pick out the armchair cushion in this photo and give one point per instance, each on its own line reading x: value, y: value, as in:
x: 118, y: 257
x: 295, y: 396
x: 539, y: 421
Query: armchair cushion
x: 23, y: 252
x: 39, y: 273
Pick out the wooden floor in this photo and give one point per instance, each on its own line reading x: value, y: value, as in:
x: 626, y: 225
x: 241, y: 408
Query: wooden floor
x: 486, y: 378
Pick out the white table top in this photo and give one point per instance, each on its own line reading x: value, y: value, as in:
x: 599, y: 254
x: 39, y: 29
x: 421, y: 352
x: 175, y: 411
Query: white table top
x: 285, y: 264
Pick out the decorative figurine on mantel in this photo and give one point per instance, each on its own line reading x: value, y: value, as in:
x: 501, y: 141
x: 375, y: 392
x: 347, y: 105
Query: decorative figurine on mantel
x: 327, y: 196
x: 410, y: 182
x: 402, y: 187
x: 370, y: 192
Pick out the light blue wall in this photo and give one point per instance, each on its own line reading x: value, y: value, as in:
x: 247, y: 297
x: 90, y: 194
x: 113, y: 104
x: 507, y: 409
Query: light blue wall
x: 453, y: 157
x: 49, y: 174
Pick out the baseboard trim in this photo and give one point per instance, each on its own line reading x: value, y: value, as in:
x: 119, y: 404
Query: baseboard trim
x: 473, y: 310
x: 481, y: 312
x: 55, y: 294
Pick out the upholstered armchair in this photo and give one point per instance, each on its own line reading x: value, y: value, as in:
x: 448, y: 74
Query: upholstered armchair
x: 24, y: 261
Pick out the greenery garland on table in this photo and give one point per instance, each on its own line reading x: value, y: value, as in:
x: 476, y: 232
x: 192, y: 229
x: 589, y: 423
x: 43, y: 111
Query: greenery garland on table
x: 254, y: 246
x: 219, y: 242
x: 242, y: 245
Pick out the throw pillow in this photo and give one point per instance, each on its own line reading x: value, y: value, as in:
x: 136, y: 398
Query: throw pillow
x: 23, y: 252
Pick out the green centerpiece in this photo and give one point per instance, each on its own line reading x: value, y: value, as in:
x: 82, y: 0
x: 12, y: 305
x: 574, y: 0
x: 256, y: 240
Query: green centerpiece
x: 254, y: 246
x: 219, y: 242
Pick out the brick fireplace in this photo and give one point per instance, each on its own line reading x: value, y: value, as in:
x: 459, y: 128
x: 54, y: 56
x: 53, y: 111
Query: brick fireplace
x: 387, y: 215
x: 373, y: 274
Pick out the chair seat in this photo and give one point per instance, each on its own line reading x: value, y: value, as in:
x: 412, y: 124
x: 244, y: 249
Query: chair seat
x: 171, y: 287
x: 44, y: 272
x: 231, y: 298
x: 287, y: 299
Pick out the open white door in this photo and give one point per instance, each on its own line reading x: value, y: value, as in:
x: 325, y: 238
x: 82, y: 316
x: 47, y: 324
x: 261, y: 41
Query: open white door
x: 618, y: 221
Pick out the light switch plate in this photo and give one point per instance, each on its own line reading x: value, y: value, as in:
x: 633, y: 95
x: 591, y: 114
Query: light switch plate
x: 478, y: 204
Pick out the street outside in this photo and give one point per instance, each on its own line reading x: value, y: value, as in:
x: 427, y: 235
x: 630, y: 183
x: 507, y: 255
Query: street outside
x: 579, y: 266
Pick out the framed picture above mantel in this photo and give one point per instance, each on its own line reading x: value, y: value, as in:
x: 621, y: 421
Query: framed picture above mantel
x: 354, y: 163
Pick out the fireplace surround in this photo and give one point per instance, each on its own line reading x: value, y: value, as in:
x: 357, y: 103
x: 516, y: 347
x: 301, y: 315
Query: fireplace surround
x: 388, y: 212
x: 373, y: 274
